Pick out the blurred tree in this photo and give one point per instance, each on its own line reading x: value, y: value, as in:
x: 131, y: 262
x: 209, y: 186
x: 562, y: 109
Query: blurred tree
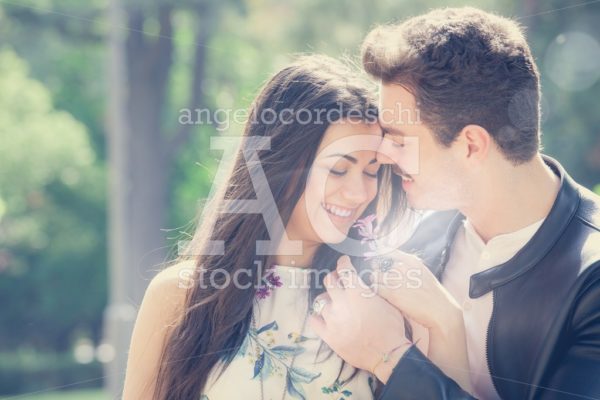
x: 63, y: 42
x: 63, y: 49
x: 570, y: 68
x: 46, y: 189
x: 142, y: 148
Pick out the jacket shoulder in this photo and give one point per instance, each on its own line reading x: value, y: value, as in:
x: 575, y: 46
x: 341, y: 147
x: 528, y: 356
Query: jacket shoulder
x: 588, y: 220
x: 432, y: 236
x: 589, y: 208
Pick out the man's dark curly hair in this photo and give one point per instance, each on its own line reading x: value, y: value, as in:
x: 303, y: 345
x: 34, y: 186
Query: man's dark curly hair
x: 464, y: 66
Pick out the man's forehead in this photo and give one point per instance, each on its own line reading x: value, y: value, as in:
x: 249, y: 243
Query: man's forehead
x: 397, y: 111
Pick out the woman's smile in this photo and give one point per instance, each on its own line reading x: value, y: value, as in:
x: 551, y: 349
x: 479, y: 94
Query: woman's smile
x: 339, y: 215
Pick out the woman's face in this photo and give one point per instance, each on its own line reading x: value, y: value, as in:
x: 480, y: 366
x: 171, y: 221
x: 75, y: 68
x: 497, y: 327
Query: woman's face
x: 341, y: 184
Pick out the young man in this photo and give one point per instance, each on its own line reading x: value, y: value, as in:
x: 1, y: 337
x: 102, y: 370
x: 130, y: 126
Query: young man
x: 521, y: 256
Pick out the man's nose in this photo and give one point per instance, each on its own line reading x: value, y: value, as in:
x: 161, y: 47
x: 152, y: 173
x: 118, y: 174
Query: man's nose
x: 384, y: 152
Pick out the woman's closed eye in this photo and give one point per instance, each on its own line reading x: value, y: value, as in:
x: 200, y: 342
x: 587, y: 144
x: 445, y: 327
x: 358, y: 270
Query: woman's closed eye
x: 337, y: 173
x: 372, y: 174
x: 342, y: 173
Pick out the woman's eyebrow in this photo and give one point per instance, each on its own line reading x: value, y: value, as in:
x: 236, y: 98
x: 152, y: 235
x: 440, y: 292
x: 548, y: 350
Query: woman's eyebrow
x: 349, y: 158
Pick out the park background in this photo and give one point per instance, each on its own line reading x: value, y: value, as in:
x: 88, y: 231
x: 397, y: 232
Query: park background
x: 99, y: 179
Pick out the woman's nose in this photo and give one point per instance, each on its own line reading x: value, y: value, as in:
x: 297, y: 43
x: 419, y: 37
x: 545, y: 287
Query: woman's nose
x: 355, y: 191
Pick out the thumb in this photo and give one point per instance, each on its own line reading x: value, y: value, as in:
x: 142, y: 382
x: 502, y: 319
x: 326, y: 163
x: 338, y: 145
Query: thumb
x: 351, y: 280
x: 344, y: 262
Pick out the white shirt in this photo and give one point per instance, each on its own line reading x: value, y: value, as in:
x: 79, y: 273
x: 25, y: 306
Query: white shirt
x: 469, y: 256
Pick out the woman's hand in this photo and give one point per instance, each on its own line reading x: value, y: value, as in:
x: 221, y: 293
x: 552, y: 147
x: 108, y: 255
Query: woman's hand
x: 411, y: 287
x: 361, y: 327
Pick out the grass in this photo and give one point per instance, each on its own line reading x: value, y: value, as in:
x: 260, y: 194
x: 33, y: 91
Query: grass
x: 92, y: 394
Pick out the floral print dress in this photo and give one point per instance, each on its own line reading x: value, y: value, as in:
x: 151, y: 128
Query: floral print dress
x: 277, y: 338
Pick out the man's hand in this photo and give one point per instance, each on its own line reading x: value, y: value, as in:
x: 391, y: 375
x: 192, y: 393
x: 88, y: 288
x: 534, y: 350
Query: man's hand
x: 361, y: 327
x: 412, y: 288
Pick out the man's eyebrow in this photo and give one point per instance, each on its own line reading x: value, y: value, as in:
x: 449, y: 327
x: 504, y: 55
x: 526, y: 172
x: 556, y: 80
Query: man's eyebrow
x: 349, y: 158
x: 392, y: 131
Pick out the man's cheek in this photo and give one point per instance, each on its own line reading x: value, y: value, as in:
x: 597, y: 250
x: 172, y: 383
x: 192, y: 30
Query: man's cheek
x: 411, y: 161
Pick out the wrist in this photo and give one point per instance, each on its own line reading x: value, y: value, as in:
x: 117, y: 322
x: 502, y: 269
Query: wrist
x: 449, y: 325
x: 385, y: 365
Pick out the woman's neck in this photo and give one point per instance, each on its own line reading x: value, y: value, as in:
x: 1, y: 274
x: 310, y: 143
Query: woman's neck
x: 287, y: 257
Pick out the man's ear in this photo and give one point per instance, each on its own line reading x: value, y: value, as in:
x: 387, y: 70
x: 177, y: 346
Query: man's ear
x: 477, y: 142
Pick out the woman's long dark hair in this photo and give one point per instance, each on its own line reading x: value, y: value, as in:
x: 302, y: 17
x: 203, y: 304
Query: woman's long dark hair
x: 216, y: 319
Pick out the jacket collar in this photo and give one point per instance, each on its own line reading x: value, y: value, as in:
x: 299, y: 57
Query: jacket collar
x: 564, y: 209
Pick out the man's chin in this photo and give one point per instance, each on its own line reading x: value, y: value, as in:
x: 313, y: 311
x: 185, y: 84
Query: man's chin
x: 414, y: 203
x: 425, y: 205
x: 428, y: 210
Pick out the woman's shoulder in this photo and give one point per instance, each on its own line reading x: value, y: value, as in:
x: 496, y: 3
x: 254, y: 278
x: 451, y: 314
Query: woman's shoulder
x: 171, y: 284
x: 179, y: 272
x: 160, y: 311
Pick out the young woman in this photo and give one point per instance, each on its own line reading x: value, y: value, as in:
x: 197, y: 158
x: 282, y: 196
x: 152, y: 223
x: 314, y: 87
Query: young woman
x: 219, y: 338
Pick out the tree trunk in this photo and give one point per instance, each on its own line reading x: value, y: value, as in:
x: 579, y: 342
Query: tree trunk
x: 140, y: 157
x: 119, y: 314
x: 139, y: 169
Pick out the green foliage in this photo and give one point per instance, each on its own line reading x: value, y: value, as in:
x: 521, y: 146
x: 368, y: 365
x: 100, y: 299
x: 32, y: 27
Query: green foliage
x: 30, y: 372
x: 91, y: 394
x: 52, y: 250
x: 34, y: 135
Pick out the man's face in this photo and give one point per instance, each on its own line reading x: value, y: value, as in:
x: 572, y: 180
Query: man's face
x: 431, y: 173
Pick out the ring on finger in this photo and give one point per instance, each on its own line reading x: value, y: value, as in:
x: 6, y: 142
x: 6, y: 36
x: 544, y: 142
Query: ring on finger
x: 318, y: 306
x: 384, y: 264
x: 345, y: 277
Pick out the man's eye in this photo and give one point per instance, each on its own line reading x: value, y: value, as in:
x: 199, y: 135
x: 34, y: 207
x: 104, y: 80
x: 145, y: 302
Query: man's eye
x: 338, y: 173
x: 371, y: 175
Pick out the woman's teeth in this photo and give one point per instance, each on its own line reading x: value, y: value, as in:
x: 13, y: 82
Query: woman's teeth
x: 338, y: 211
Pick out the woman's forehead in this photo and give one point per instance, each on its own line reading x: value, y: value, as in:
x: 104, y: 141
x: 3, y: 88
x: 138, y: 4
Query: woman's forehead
x: 351, y: 136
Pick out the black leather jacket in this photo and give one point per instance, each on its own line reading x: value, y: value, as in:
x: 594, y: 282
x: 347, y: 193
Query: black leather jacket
x: 543, y: 339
